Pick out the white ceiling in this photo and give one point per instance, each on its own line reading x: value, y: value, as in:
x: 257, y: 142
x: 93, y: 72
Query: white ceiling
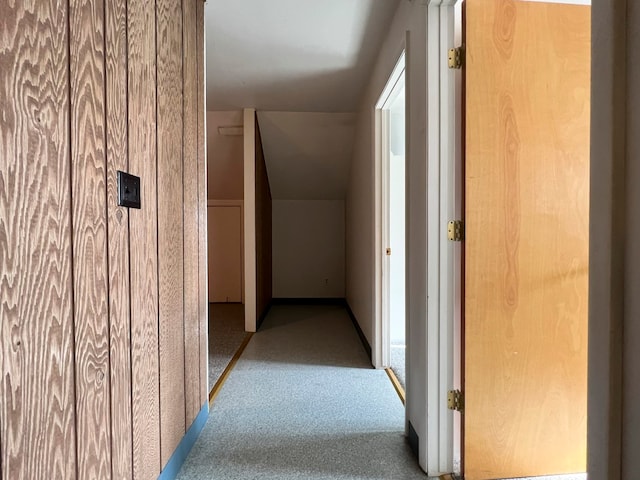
x: 302, y: 64
x: 292, y: 55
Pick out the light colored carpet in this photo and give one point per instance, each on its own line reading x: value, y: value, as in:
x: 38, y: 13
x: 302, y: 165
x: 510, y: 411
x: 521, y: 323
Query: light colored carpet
x: 226, y: 333
x: 304, y: 403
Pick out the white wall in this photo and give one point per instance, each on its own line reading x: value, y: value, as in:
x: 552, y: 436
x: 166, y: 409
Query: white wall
x: 360, y: 208
x: 308, y: 249
x: 360, y: 191
x: 225, y: 174
x: 225, y: 157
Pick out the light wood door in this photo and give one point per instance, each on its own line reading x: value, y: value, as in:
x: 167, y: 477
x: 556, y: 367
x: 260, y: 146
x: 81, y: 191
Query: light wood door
x: 527, y: 191
x: 225, y: 254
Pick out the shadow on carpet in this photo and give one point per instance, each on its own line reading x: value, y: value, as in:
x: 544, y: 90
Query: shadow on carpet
x: 226, y: 333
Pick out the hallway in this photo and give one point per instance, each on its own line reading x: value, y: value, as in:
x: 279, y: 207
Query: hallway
x: 303, y: 402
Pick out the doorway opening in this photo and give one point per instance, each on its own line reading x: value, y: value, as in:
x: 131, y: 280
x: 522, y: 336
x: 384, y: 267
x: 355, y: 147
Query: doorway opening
x: 390, y: 145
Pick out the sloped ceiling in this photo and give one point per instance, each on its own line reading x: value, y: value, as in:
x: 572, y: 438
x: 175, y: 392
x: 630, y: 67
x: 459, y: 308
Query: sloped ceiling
x: 292, y: 55
x: 289, y: 57
x: 308, y: 153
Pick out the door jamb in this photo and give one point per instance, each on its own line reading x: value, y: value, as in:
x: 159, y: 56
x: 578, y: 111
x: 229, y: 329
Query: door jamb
x: 444, y: 275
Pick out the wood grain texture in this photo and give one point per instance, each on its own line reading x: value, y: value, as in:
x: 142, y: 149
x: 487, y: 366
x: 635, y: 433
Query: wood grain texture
x: 191, y: 227
x: 527, y: 204
x: 170, y: 226
x: 37, y: 403
x: 118, y: 240
x: 263, y: 230
x: 203, y: 301
x: 143, y: 238
x: 90, y: 255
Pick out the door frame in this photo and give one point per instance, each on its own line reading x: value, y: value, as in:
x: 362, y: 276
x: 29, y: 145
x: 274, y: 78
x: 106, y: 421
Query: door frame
x: 444, y: 258
x: 382, y: 339
x: 436, y: 426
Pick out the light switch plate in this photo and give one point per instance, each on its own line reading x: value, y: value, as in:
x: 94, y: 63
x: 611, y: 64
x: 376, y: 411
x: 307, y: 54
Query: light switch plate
x: 128, y: 190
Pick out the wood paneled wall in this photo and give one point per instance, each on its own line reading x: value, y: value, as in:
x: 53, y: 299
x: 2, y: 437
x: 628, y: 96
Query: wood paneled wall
x: 170, y: 225
x: 103, y: 310
x: 264, y: 270
x: 38, y: 421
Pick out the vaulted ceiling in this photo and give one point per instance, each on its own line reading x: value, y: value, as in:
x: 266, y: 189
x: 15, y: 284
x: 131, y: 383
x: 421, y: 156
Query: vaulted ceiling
x: 296, y: 56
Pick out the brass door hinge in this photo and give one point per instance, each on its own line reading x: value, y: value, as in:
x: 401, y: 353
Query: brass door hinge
x: 455, y: 230
x: 455, y: 400
x: 456, y: 57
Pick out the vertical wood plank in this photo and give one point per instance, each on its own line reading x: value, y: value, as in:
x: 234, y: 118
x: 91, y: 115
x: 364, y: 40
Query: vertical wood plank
x: 170, y: 225
x: 90, y: 268
x: 143, y: 238
x: 191, y: 255
x: 37, y: 415
x: 118, y: 240
x: 202, y: 208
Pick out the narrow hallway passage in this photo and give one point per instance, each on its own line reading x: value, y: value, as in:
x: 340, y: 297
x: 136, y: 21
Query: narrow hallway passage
x: 304, y: 403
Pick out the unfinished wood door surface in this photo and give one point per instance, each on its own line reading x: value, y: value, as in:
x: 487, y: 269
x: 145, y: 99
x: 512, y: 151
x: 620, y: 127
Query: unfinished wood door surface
x: 527, y: 193
x: 225, y: 254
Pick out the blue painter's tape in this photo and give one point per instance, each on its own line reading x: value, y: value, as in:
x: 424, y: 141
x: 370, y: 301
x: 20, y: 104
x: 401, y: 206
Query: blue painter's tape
x: 174, y: 464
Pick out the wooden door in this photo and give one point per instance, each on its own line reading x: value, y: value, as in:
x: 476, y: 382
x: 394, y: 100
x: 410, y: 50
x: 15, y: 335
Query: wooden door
x: 225, y: 254
x: 527, y: 203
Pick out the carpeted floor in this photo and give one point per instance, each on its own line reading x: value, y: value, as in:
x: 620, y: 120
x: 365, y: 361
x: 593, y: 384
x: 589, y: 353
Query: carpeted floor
x: 304, y: 403
x: 226, y: 333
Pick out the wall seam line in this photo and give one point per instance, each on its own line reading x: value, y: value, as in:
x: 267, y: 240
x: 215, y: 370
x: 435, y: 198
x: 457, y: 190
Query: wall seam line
x: 107, y: 375
x: 155, y: 44
x: 71, y: 239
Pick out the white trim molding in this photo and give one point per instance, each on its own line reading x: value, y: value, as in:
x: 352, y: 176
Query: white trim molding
x: 444, y: 203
